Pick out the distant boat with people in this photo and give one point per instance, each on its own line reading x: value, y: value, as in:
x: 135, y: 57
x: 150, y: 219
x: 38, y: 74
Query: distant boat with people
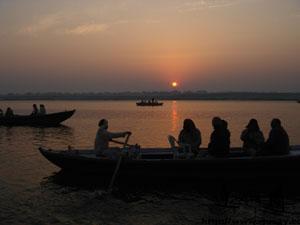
x: 43, y: 120
x: 152, y: 102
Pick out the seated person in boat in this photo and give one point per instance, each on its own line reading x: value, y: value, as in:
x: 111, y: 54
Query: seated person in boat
x: 219, y: 145
x: 42, y: 109
x: 153, y: 100
x: 35, y: 110
x: 278, y: 142
x: 103, y: 137
x: 253, y: 138
x: 190, y: 136
x: 9, y: 112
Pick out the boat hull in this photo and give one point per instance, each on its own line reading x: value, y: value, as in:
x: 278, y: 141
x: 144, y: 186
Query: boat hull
x: 235, y: 166
x: 149, y: 104
x: 48, y: 120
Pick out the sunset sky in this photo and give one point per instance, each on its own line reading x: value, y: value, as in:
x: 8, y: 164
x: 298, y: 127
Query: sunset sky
x: 121, y: 45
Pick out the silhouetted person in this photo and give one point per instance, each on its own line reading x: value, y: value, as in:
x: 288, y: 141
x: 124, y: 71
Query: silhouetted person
x: 35, y: 110
x: 190, y: 135
x: 219, y: 145
x: 278, y: 142
x: 225, y: 124
x: 1, y: 113
x: 103, y: 137
x: 9, y: 112
x: 42, y: 109
x: 253, y: 138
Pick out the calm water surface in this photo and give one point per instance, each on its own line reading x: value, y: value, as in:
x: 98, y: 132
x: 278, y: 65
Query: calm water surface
x: 30, y: 194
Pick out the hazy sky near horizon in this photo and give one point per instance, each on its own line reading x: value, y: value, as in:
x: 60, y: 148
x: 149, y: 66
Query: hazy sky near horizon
x: 120, y: 45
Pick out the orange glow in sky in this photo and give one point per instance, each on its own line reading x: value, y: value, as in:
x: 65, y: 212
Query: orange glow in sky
x: 213, y: 45
x: 174, y: 84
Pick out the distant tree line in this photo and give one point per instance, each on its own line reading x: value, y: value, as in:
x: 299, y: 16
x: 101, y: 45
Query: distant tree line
x: 161, y: 95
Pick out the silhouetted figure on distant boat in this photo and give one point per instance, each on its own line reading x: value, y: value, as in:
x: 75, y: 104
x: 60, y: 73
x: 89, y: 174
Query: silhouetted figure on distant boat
x: 103, y: 137
x: 219, y: 145
x: 253, y: 138
x: 278, y: 142
x: 9, y: 112
x: 190, y: 135
x: 42, y: 109
x: 35, y: 110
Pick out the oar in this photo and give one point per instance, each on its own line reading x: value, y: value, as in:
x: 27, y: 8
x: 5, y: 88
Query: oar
x: 121, y: 143
x: 110, y: 187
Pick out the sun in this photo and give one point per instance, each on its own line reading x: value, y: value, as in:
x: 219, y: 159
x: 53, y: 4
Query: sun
x: 174, y: 84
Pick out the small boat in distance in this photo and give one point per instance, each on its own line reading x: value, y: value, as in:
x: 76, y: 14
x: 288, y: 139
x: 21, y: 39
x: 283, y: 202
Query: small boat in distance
x: 159, y: 162
x: 47, y: 120
x: 151, y: 102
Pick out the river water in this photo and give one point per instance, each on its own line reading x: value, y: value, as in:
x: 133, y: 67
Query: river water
x: 31, y: 191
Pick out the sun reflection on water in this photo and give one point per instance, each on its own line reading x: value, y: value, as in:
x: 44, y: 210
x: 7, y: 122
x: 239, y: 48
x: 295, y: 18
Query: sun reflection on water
x: 175, y: 117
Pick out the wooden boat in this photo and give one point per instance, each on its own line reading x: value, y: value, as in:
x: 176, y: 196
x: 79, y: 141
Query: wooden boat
x: 52, y: 119
x: 149, y: 103
x: 160, y: 163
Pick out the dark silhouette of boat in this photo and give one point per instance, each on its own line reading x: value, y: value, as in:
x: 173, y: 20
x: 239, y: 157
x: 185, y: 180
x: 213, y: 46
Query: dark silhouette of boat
x: 47, y: 120
x: 159, y: 163
x: 149, y: 103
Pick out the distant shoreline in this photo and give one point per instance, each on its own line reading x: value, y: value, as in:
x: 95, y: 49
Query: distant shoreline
x: 174, y: 95
x: 104, y: 100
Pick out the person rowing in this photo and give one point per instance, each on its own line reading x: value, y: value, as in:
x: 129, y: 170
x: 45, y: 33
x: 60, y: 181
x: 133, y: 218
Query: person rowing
x: 103, y: 137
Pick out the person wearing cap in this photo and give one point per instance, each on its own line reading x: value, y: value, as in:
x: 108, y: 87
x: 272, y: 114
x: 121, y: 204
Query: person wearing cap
x: 278, y: 142
x: 219, y: 145
x: 103, y: 137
